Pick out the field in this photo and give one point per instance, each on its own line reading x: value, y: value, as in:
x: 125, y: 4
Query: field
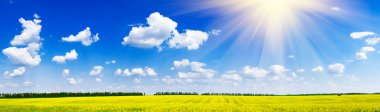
x: 199, y: 103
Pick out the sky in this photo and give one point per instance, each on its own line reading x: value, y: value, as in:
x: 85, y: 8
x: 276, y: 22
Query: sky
x: 245, y: 46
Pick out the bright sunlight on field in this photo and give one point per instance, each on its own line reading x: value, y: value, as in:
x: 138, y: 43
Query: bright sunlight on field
x: 195, y: 103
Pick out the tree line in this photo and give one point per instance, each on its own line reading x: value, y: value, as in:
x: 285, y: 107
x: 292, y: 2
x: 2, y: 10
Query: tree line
x: 67, y: 94
x: 176, y: 93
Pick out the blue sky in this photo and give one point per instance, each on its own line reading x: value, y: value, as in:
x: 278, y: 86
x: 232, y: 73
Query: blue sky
x: 289, y: 46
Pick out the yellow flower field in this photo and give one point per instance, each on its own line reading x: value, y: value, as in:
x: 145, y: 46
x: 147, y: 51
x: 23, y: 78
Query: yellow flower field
x: 345, y: 103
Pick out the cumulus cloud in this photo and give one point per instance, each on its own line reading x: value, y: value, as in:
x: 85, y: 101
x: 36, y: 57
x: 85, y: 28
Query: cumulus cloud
x: 318, y: 69
x: 65, y: 72
x: 161, y: 29
x: 182, y: 63
x: 231, y: 75
x: 215, y: 32
x: 277, y: 69
x: 372, y: 41
x: 25, y: 47
x: 111, y: 62
x: 137, y: 71
x: 336, y: 68
x: 362, y: 54
x: 70, y: 56
x: 96, y: 70
x: 191, y: 40
x: 84, y: 36
x: 194, y: 70
x: 254, y: 71
x: 98, y: 79
x: 30, y: 34
x: 367, y: 49
x: 158, y: 30
x: 24, y: 56
x: 359, y: 35
x: 118, y: 72
x: 169, y: 80
x: 150, y: 72
x: 72, y: 81
x: 16, y: 72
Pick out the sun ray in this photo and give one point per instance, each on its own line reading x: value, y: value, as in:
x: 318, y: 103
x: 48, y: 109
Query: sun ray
x: 275, y: 25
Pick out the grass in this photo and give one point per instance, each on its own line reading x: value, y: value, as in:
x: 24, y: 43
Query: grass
x: 330, y: 103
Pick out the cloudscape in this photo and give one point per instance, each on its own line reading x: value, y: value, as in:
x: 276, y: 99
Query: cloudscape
x: 277, y: 47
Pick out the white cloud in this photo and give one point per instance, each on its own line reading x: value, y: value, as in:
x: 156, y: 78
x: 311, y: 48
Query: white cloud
x: 36, y: 16
x: 372, y: 41
x: 215, y: 32
x: 254, y: 71
x: 150, y: 71
x: 138, y: 71
x: 111, y: 62
x: 232, y: 76
x: 362, y: 54
x: 291, y: 56
x: 159, y: 30
x: 96, y: 70
x: 195, y: 70
x: 65, y: 72
x: 84, y: 36
x: 98, y: 79
x: 72, y: 81
x: 318, y: 69
x: 181, y: 64
x: 16, y: 72
x: 30, y: 34
x: 301, y: 70
x: 70, y: 56
x: 198, y: 67
x: 24, y: 56
x: 367, y: 49
x: 336, y: 68
x: 29, y: 39
x: 359, y: 35
x: 169, y: 80
x: 191, y: 40
x: 335, y: 9
x: 126, y: 72
x: 277, y: 69
x: 118, y: 72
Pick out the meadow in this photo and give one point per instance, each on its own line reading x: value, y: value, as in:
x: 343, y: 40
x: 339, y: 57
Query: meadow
x: 194, y: 103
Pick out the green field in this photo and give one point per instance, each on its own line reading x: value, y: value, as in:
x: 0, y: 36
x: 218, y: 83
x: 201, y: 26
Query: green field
x: 199, y: 103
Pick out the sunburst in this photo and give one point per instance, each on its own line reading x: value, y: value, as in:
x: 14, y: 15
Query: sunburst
x: 275, y: 23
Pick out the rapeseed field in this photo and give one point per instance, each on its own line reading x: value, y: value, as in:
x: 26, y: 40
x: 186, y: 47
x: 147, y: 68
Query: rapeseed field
x: 195, y: 103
